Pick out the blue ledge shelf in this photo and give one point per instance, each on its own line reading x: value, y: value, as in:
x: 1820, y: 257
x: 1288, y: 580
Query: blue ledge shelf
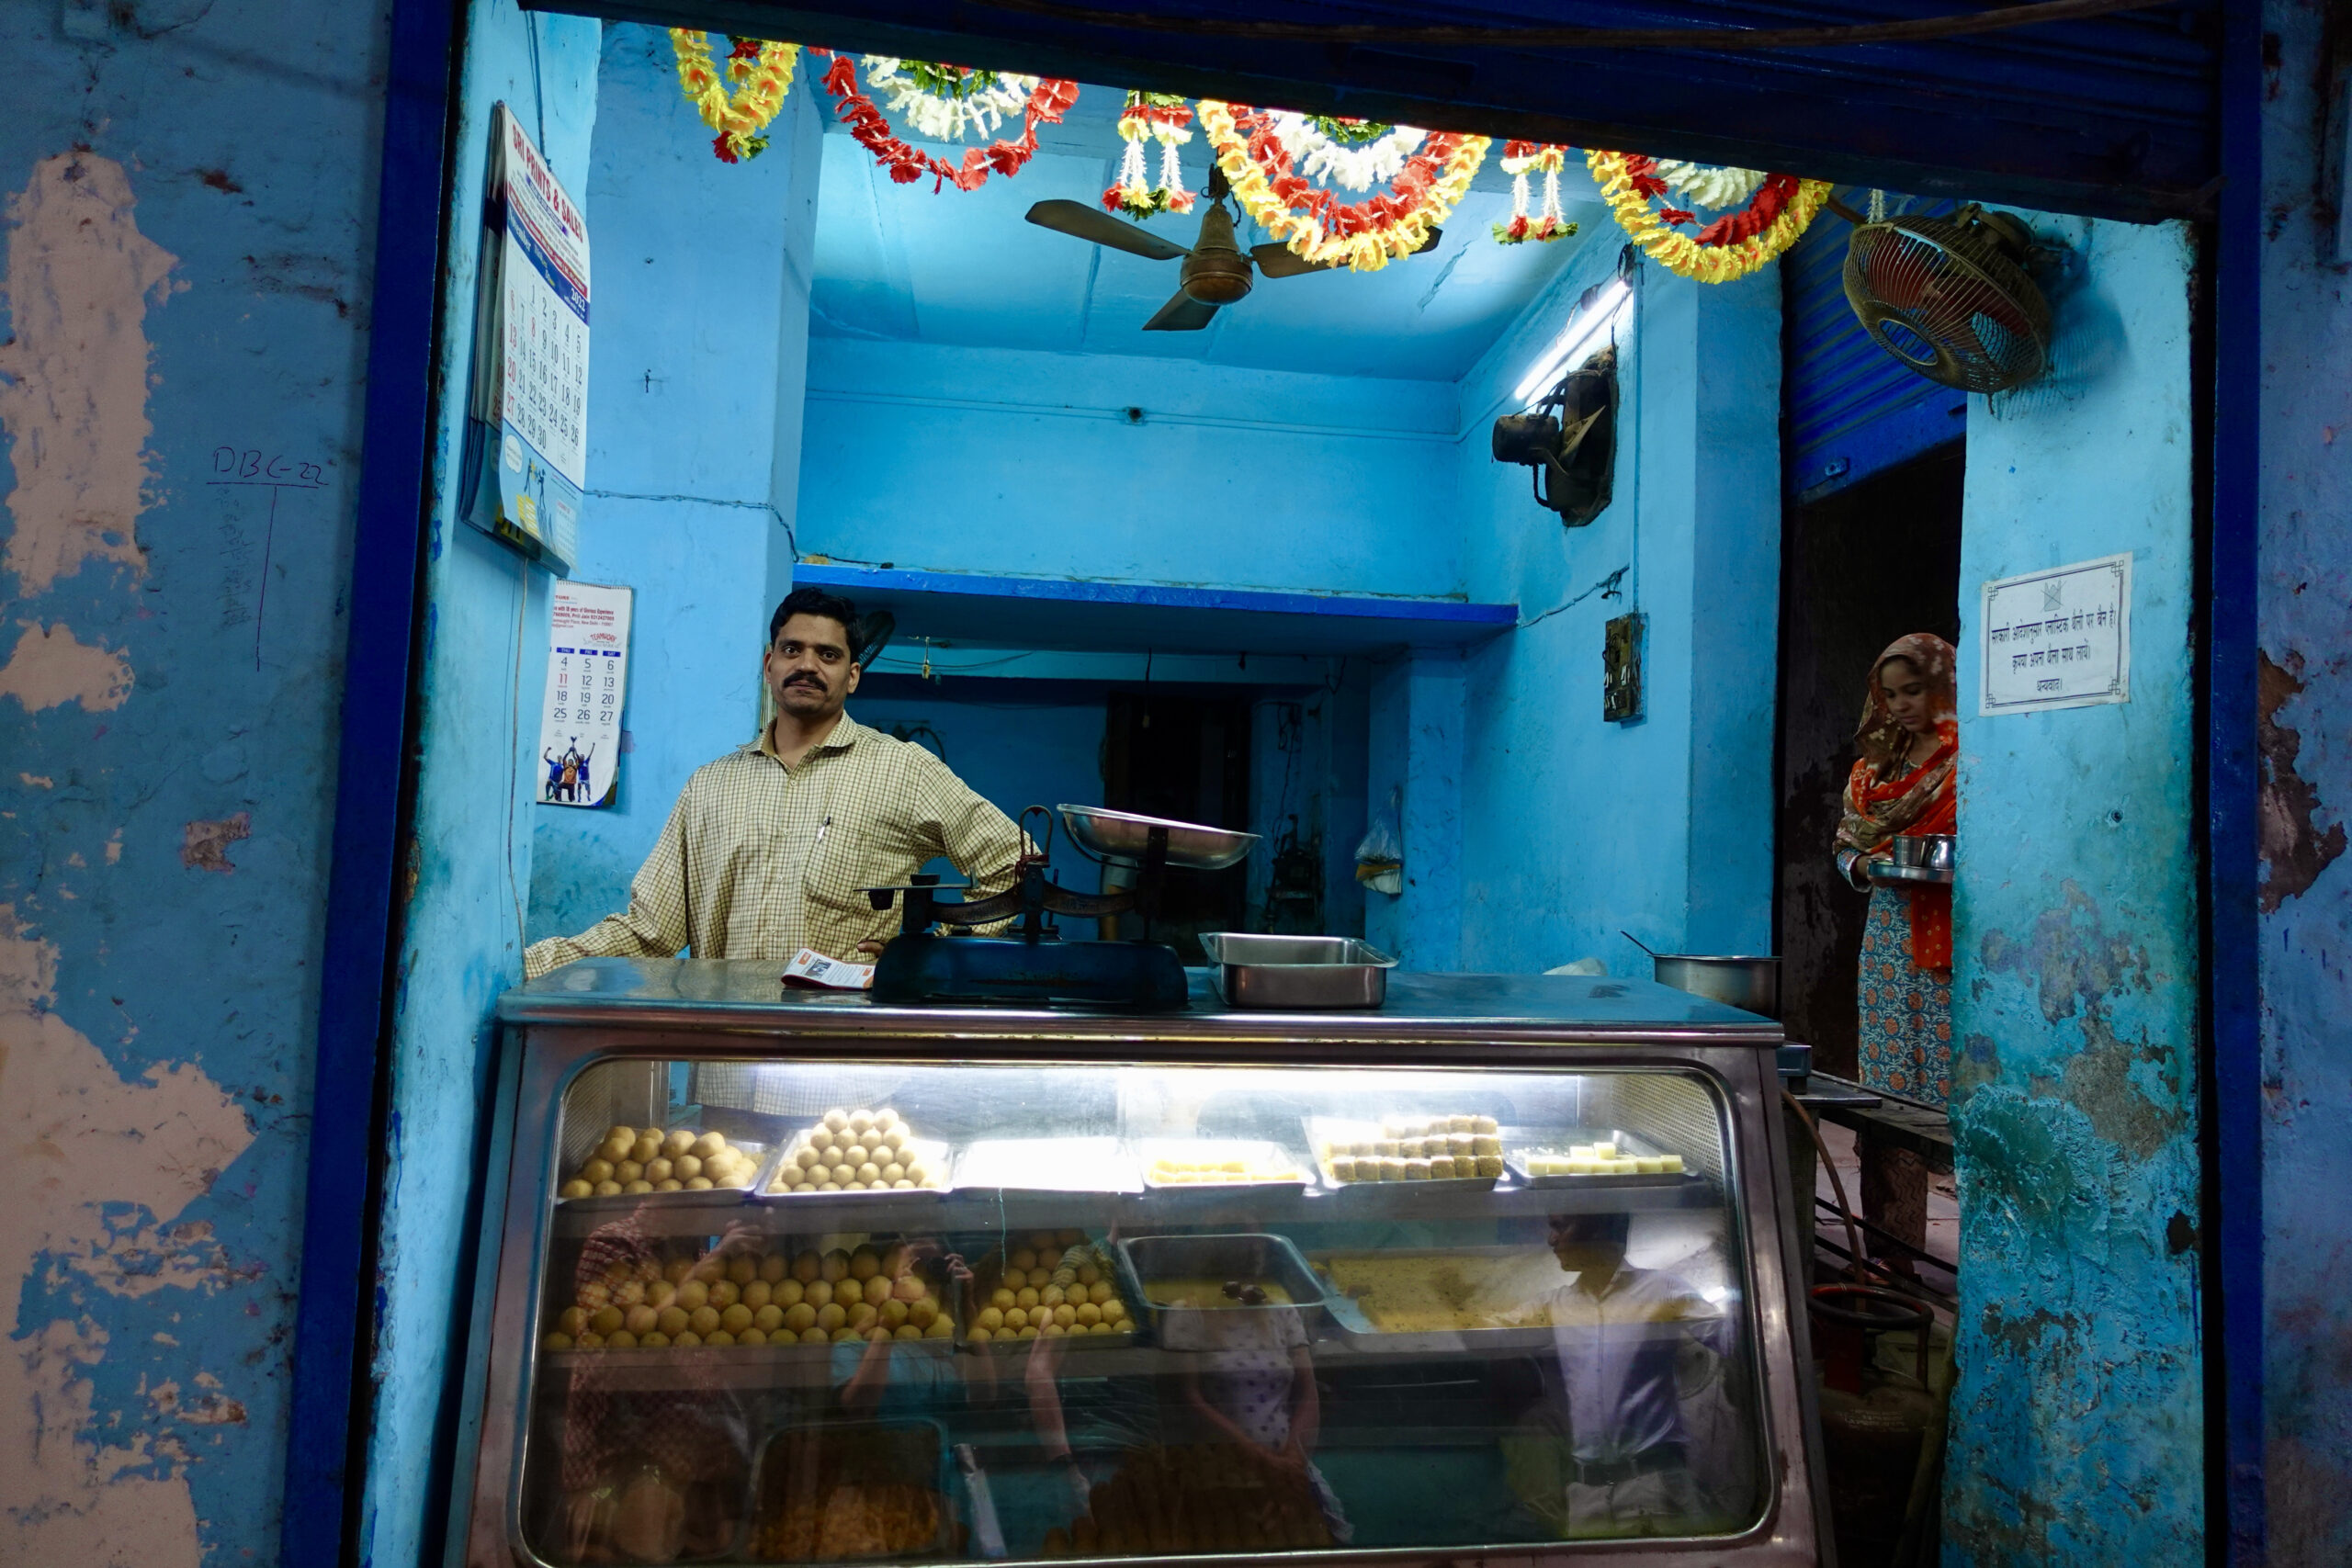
x: 1132, y: 617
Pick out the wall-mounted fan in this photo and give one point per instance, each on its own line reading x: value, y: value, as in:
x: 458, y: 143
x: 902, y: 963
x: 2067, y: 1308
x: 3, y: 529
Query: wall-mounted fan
x: 1949, y: 298
x: 1569, y: 438
x: 1216, y: 272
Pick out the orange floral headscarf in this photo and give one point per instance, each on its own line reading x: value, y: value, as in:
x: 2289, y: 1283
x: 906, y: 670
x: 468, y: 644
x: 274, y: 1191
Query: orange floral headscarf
x: 1887, y: 797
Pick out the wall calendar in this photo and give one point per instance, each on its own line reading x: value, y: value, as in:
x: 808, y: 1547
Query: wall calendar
x: 580, y: 722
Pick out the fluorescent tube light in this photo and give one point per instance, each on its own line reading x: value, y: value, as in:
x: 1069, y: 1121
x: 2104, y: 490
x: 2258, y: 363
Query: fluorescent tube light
x: 1585, y: 328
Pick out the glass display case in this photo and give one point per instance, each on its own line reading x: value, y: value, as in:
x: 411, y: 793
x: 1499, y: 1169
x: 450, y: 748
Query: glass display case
x: 790, y: 1277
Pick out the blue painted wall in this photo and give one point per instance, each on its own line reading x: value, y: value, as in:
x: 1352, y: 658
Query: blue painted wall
x: 693, y: 445
x: 2305, y: 739
x: 2077, y: 1420
x: 1031, y: 467
x: 1565, y: 827
x: 484, y: 650
x: 186, y: 208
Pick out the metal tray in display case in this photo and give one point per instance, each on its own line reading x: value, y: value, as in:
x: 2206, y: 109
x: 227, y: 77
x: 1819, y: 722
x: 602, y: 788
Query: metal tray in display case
x: 705, y: 1197
x: 877, y: 1203
x: 862, y: 1454
x: 1244, y: 1255
x: 1255, y: 1152
x: 1353, y: 1324
x: 1323, y: 1129
x: 1046, y: 1168
x: 1520, y: 1142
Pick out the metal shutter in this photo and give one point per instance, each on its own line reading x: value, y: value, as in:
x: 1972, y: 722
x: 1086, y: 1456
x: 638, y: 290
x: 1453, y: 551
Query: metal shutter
x: 1853, y: 409
x: 2113, y: 116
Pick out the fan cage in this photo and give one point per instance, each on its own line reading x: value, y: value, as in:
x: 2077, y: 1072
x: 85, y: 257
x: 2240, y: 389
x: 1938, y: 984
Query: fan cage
x: 1938, y: 295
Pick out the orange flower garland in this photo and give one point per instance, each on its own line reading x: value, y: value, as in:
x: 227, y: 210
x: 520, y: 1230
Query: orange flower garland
x: 1047, y: 105
x: 761, y: 73
x: 1732, y: 246
x: 1316, y: 225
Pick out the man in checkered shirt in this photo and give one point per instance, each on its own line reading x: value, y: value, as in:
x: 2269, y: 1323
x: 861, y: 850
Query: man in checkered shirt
x: 769, y: 847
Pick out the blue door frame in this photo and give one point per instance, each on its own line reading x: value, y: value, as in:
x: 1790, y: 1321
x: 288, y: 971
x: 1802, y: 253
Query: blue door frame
x: 335, y: 1312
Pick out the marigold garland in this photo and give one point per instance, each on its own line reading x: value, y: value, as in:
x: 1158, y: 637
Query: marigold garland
x: 1162, y: 117
x: 1732, y: 246
x: 1316, y: 224
x: 760, y: 73
x: 1552, y: 223
x: 1046, y: 104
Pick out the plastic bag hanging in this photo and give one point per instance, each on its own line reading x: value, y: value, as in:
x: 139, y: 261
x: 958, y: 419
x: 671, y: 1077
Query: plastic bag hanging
x: 1380, y: 857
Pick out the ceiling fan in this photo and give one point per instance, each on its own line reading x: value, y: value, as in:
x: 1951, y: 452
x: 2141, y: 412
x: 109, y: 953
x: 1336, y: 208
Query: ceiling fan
x: 1216, y: 270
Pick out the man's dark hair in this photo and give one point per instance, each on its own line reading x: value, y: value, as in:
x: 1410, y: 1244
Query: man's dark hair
x: 1598, y: 1229
x: 817, y: 601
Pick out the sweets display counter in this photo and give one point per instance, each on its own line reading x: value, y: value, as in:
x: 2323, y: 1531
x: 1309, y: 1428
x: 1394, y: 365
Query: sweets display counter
x: 777, y: 1276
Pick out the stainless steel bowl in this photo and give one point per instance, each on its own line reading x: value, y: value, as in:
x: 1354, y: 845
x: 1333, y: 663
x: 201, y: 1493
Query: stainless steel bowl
x: 1938, y: 852
x: 1752, y: 984
x: 1123, y: 836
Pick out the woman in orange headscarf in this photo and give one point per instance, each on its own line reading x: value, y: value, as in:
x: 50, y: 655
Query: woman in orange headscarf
x: 1902, y: 785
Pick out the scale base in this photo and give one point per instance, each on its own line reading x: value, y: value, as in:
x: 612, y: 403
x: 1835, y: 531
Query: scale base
x: 1142, y: 976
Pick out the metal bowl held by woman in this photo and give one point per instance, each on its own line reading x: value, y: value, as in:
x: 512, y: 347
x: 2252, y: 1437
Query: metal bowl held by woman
x: 1751, y: 984
x: 1125, y: 837
x: 1255, y: 970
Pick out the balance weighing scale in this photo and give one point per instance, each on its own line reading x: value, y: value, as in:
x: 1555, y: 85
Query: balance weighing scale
x: 1032, y: 962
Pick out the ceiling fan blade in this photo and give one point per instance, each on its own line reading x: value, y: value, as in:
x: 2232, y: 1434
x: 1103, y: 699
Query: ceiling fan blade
x: 1281, y: 261
x: 1183, y: 314
x: 1084, y: 223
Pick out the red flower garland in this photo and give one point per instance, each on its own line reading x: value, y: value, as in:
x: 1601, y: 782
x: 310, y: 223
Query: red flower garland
x: 1343, y: 219
x: 1763, y: 210
x: 907, y: 164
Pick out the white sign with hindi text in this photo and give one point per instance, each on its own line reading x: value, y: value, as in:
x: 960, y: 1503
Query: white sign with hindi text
x: 2060, y: 639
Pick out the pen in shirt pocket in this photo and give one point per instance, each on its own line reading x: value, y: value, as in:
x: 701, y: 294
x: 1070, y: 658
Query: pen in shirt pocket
x: 824, y: 827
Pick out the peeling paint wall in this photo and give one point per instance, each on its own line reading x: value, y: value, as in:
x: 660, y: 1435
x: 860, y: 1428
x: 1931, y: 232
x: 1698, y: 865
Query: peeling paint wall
x: 2077, y: 1422
x: 186, y: 195
x: 469, y: 858
x: 2305, y: 739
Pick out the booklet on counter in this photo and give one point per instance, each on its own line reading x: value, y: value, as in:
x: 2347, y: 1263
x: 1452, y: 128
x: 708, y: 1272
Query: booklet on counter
x: 810, y: 967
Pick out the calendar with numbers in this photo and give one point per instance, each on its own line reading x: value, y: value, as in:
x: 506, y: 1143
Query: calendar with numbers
x: 526, y: 441
x: 580, y: 722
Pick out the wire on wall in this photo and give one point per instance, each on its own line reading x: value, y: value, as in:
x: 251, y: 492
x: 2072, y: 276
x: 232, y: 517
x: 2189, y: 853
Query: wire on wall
x: 514, y: 742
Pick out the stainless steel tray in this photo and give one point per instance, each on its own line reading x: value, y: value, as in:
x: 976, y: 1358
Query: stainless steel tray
x: 889, y: 1198
x: 1258, y: 971
x: 1519, y: 1142
x: 922, y: 1459
x: 1322, y: 1130
x: 1017, y: 1168
x: 1351, y: 1324
x: 990, y: 1265
x: 1142, y: 1258
x: 706, y: 1198
x: 1123, y: 836
x: 1252, y: 1150
x: 1888, y: 871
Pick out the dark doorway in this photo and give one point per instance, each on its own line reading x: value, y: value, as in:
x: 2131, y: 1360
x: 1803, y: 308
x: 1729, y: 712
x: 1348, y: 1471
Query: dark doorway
x: 1858, y: 570
x: 1185, y: 758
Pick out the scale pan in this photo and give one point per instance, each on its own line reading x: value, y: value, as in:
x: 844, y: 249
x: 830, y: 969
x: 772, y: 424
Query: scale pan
x: 1123, y: 834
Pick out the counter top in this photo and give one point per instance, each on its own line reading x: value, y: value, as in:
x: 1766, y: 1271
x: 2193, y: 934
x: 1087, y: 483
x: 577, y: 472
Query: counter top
x: 747, y: 994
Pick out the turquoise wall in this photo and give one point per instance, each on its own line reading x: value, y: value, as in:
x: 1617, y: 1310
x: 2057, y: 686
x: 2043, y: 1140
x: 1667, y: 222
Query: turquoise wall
x: 1027, y: 465
x: 1535, y: 829
x: 2077, y: 1422
x: 470, y: 871
x: 187, y: 201
x: 2305, y: 742
x: 693, y: 445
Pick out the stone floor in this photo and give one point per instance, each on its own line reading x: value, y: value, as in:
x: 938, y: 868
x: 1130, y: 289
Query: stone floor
x: 1943, y: 1205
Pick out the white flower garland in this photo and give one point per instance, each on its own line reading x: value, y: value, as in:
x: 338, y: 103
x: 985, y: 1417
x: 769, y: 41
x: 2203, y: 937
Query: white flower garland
x: 1318, y: 157
x: 942, y: 119
x: 1711, y: 185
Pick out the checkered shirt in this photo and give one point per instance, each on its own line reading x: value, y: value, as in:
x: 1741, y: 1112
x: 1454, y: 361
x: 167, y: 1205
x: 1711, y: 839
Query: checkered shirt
x: 759, y: 860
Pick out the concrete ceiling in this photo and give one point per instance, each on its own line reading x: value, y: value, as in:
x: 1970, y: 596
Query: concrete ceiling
x: 964, y: 267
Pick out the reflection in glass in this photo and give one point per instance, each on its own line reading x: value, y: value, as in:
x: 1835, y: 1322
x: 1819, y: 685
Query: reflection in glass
x: 1136, y: 1311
